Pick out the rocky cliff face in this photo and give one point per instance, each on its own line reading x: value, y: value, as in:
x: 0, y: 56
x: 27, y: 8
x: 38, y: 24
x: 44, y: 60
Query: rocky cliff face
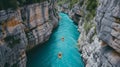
x: 99, y: 28
x: 24, y: 28
x: 100, y: 46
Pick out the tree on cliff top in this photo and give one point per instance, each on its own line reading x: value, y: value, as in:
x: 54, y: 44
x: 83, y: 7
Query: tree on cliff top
x: 14, y: 4
x: 5, y: 4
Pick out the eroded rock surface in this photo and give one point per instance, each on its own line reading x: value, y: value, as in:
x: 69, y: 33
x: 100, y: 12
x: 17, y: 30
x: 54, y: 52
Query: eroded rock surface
x: 108, y: 23
x: 23, y: 29
x: 104, y: 50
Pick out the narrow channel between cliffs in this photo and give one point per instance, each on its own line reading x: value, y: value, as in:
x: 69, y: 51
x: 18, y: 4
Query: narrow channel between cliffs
x: 61, y: 50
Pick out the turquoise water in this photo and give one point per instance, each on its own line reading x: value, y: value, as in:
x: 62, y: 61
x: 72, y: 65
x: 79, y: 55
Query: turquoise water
x: 63, y: 41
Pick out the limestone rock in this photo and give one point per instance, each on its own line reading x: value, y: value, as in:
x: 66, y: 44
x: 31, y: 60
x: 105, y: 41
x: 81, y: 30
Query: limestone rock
x: 22, y: 30
x: 108, y: 26
x: 104, y: 50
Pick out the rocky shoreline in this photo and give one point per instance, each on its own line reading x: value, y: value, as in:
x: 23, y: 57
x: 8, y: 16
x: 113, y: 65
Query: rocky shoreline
x: 24, y: 28
x: 28, y: 26
x: 99, y: 43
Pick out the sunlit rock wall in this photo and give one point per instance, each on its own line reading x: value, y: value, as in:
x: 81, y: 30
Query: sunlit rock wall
x: 23, y: 29
x: 108, y: 23
x: 100, y: 47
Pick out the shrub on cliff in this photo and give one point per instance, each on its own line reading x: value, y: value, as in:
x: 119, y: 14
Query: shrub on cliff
x: 5, y: 4
x: 14, y: 4
x: 70, y: 2
x: 91, y: 6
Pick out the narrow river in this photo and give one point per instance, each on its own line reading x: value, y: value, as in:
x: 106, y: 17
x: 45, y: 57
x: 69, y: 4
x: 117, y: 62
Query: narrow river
x: 61, y: 50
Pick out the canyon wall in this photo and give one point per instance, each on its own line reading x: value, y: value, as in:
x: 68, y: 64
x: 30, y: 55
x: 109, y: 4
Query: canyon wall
x: 24, y: 28
x: 99, y: 26
x: 100, y: 44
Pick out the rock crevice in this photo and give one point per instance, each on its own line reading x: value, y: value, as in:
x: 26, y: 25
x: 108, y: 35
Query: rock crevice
x: 24, y: 28
x: 104, y: 49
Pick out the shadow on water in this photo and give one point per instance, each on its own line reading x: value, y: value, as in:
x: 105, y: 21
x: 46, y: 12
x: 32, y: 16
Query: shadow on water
x: 61, y: 49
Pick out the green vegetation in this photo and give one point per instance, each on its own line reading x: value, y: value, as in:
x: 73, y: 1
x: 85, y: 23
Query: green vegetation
x: 14, y: 4
x: 5, y: 4
x: 91, y: 6
x: 87, y: 26
x: 70, y: 2
x: 60, y: 2
x: 81, y: 2
x: 12, y: 40
x: 15, y: 65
